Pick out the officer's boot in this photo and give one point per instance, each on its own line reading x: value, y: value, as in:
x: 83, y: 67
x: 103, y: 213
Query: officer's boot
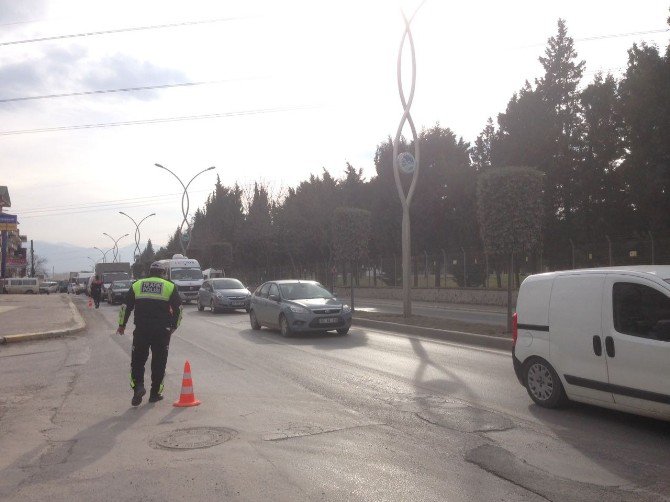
x: 138, y: 394
x: 156, y: 393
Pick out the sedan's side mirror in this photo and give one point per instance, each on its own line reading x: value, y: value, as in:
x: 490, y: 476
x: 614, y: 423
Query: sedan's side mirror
x: 274, y: 298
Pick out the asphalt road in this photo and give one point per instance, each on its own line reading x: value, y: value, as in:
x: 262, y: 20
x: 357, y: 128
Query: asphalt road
x: 369, y: 416
x: 465, y: 313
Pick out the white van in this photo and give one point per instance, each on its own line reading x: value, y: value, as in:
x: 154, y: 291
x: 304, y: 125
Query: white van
x: 598, y: 336
x: 23, y: 285
x: 186, y: 275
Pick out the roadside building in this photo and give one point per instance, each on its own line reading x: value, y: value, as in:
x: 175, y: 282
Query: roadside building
x: 13, y: 256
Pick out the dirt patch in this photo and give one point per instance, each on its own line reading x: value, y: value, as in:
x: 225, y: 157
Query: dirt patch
x: 434, y: 322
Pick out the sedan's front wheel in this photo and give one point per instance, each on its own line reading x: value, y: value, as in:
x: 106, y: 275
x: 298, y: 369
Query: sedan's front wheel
x: 284, y: 327
x: 343, y: 331
x: 255, y: 325
x: 201, y: 307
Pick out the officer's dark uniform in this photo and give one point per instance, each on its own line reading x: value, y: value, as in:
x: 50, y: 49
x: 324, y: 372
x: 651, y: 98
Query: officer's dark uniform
x: 96, y: 291
x: 157, y: 314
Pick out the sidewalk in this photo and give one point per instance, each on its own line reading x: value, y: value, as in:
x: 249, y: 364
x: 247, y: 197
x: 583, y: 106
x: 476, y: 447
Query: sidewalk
x: 33, y: 317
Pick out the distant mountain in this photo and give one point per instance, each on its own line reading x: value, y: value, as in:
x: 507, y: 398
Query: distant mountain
x: 62, y: 257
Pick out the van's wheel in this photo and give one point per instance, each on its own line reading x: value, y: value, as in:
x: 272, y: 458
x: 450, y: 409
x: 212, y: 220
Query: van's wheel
x: 201, y: 307
x: 284, y: 327
x: 543, y: 383
x: 29, y: 292
x: 255, y: 325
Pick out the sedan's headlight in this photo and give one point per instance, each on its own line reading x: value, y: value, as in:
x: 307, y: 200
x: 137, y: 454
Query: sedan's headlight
x: 298, y: 310
x: 346, y: 308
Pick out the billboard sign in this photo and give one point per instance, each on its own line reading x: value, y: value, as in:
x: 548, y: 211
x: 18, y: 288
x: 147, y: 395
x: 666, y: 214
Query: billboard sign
x: 8, y: 222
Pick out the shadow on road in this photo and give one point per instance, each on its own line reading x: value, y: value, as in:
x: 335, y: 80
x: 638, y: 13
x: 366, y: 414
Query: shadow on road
x: 643, y: 442
x: 329, y: 340
x: 58, y: 459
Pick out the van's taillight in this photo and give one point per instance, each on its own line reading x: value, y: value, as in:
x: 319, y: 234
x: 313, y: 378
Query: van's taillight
x: 515, y: 328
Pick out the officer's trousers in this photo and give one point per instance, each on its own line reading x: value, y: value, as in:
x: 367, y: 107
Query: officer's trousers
x: 156, y: 340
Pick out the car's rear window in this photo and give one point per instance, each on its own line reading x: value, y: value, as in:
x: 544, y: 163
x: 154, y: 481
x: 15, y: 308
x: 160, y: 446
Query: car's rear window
x: 227, y: 284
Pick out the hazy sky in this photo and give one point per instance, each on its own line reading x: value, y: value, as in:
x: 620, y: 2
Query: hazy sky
x: 297, y: 86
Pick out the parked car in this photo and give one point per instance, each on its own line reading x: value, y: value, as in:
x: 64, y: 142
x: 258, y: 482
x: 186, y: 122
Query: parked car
x: 598, y: 336
x: 62, y: 287
x: 117, y: 291
x: 298, y: 306
x: 48, y: 287
x: 223, y: 294
x: 23, y: 285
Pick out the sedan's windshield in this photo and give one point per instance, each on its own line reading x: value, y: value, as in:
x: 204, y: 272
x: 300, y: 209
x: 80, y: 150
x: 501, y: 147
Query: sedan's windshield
x: 303, y: 291
x: 185, y: 274
x: 227, y: 284
x: 122, y: 284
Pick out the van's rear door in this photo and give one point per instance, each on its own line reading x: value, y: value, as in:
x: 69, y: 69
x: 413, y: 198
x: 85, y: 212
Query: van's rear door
x: 575, y: 335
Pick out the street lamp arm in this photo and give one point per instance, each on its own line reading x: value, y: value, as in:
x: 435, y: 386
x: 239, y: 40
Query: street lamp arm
x: 173, y: 174
x: 152, y: 214
x: 137, y: 230
x: 185, y: 202
x: 188, y: 202
x: 127, y: 215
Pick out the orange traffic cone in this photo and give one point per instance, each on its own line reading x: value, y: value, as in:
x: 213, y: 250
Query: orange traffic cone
x: 90, y: 303
x: 187, y: 398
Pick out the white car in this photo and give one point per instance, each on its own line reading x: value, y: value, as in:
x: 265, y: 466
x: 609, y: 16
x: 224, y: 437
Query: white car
x: 49, y: 287
x: 598, y: 336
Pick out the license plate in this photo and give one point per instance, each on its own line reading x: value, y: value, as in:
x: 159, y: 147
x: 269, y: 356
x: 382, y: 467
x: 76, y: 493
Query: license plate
x: 328, y: 320
x: 238, y: 304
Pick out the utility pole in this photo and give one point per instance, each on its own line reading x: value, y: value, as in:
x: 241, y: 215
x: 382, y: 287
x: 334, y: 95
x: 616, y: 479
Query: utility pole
x: 32, y: 259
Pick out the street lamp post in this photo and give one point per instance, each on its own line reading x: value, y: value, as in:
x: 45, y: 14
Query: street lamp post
x: 104, y: 254
x: 407, y: 163
x: 185, y: 208
x: 116, y: 244
x: 137, y: 232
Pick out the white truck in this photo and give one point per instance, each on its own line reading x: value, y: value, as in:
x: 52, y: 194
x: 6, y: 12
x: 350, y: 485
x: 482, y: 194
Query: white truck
x: 186, y: 274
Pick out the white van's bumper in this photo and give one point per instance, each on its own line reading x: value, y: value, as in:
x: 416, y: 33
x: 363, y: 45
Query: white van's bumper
x: 517, y: 367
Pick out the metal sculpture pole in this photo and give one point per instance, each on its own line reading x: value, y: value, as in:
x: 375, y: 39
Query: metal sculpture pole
x: 408, y: 165
x: 138, y: 251
x: 185, y: 205
x: 116, y: 245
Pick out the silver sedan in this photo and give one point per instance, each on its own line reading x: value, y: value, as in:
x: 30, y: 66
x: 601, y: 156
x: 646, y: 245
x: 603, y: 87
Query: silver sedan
x: 223, y: 294
x: 298, y: 306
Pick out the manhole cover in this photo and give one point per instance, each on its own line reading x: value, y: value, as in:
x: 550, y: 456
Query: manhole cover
x: 193, y: 438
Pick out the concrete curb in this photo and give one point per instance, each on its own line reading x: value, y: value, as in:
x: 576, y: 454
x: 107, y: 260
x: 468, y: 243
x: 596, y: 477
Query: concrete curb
x: 494, y: 342
x: 79, y: 325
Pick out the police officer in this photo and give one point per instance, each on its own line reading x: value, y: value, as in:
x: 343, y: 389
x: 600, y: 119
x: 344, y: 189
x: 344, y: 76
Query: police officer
x: 157, y: 315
